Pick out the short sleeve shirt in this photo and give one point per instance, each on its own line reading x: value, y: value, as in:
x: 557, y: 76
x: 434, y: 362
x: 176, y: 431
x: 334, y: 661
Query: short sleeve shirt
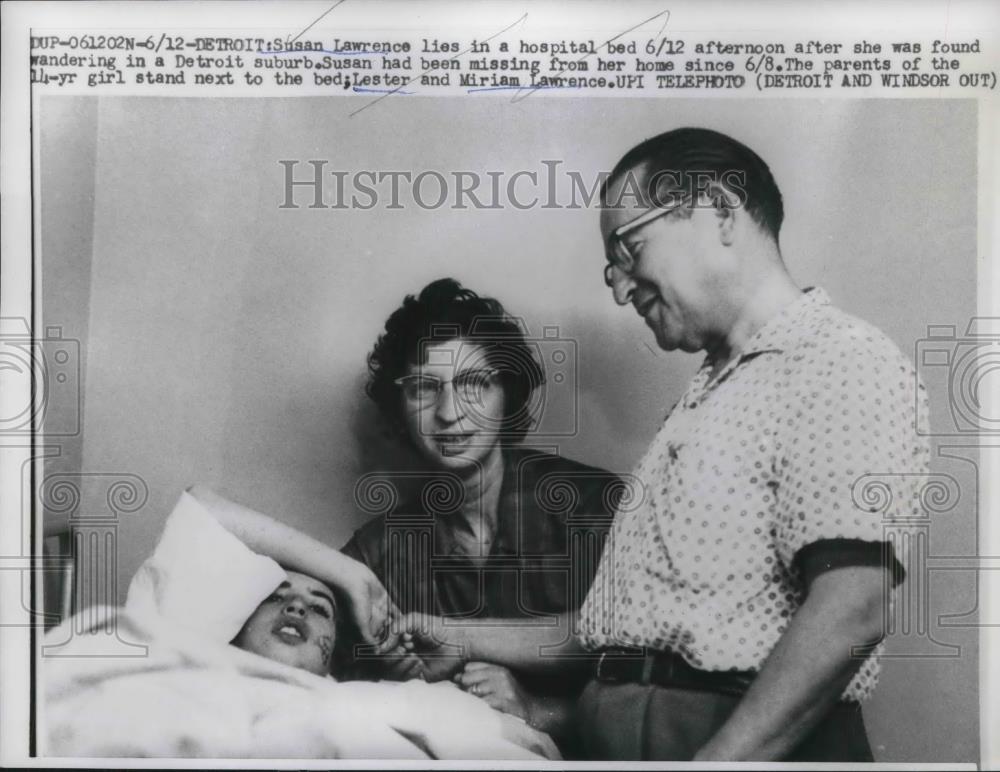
x: 749, y: 468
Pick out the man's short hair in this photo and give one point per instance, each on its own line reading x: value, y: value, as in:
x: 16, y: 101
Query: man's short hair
x: 678, y: 162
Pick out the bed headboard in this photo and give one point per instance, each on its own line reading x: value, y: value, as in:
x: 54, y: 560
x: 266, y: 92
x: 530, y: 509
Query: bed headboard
x: 81, y: 514
x: 58, y: 578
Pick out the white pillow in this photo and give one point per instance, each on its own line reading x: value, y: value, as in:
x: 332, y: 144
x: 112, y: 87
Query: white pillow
x: 201, y: 577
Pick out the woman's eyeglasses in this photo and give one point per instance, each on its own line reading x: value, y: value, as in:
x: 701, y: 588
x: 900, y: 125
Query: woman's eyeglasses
x: 470, y: 386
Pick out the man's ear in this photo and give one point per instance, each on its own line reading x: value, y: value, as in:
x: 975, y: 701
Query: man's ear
x: 727, y: 211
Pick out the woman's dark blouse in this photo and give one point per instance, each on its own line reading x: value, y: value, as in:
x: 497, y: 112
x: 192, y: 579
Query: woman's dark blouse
x: 552, y: 520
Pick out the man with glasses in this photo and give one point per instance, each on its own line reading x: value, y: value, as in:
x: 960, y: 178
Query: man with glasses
x: 755, y: 588
x: 739, y: 608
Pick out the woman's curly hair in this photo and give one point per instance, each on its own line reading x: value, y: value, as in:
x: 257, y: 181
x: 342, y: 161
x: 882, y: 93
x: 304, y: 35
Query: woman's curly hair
x: 444, y: 310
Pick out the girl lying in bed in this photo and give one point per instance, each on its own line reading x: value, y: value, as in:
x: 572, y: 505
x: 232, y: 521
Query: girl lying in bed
x: 297, y: 624
x: 167, y: 683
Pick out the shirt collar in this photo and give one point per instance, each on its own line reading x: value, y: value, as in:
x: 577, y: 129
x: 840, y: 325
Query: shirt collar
x: 781, y: 331
x: 789, y: 325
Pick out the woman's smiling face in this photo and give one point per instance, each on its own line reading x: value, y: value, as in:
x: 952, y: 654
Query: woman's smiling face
x: 453, y: 405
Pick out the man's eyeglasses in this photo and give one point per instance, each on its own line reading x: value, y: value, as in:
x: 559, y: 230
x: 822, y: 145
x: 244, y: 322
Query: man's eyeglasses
x: 619, y: 254
x: 470, y: 386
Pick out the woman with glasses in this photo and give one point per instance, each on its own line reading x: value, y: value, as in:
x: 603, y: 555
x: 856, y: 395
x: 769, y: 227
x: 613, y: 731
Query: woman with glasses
x: 490, y: 528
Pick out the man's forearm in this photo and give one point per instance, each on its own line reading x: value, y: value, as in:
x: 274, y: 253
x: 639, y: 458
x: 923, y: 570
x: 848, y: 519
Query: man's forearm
x: 528, y: 645
x: 806, y: 672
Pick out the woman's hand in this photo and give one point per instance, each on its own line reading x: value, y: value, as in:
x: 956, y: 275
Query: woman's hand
x: 371, y: 607
x: 497, y: 687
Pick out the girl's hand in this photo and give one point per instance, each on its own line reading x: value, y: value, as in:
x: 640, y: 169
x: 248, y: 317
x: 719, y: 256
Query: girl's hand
x: 371, y: 608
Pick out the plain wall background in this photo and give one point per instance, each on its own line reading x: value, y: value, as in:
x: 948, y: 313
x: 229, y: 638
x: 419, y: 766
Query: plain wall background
x: 225, y: 339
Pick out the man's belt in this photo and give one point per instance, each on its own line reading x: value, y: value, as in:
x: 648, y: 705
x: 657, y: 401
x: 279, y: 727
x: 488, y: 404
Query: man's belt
x: 665, y: 668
